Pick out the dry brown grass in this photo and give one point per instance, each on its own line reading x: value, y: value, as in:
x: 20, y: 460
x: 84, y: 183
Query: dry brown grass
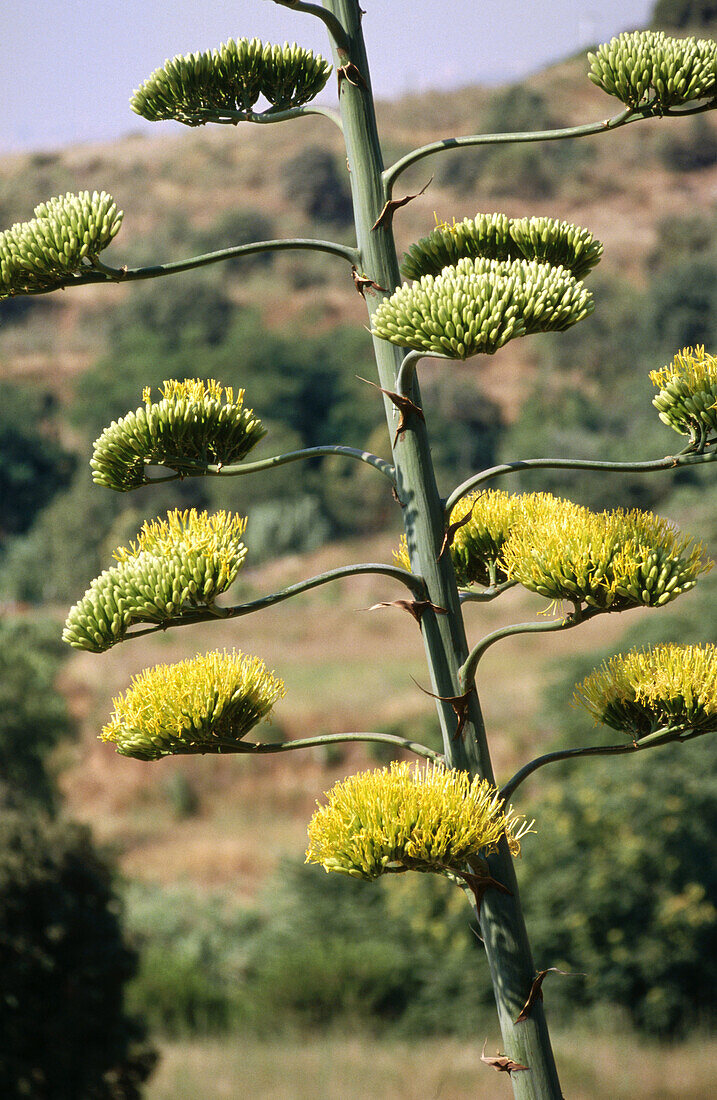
x: 357, y: 1068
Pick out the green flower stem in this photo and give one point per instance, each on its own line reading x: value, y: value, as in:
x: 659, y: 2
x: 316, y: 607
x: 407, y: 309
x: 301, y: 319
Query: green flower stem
x: 226, y: 117
x: 501, y: 920
x: 665, y: 737
x: 468, y: 669
x: 333, y: 25
x: 251, y: 748
x: 98, y: 272
x: 204, y: 615
x: 670, y: 462
x: 484, y: 595
x: 407, y: 370
x: 630, y: 114
x: 346, y: 738
x: 380, y: 464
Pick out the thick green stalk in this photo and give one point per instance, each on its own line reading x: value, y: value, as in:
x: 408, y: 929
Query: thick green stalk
x: 501, y: 919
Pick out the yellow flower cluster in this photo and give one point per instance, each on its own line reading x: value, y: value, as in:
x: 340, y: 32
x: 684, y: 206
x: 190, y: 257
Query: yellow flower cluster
x: 478, y: 305
x: 478, y: 545
x: 498, y: 237
x: 687, y: 400
x: 204, y: 704
x: 663, y: 687
x: 175, y: 566
x: 608, y: 560
x: 410, y: 818
x: 192, y: 425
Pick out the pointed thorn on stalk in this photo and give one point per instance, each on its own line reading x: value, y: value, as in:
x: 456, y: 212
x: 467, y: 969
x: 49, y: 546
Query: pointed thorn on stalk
x: 536, y: 993
x: 480, y: 883
x: 403, y: 404
x: 453, y: 528
x: 363, y: 283
x: 385, y: 218
x: 416, y: 608
x: 350, y: 72
x: 501, y: 1062
x: 459, y: 703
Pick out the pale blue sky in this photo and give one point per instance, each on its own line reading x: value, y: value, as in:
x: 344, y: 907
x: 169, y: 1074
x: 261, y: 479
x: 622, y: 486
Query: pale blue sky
x: 69, y: 66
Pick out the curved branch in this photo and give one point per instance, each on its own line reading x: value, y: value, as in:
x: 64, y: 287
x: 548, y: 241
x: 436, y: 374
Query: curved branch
x: 380, y: 464
x: 665, y: 738
x: 332, y: 24
x: 203, y: 615
x: 407, y: 370
x: 670, y: 462
x: 484, y: 595
x: 340, y: 738
x: 391, y: 174
x: 250, y: 748
x: 98, y: 272
x: 467, y: 671
x: 630, y: 114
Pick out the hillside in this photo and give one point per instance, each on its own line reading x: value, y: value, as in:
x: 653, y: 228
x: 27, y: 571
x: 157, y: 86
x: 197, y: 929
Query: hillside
x: 182, y: 183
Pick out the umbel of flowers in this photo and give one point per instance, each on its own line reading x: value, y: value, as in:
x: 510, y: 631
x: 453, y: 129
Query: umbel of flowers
x: 665, y: 687
x: 410, y: 818
x: 175, y: 566
x: 65, y: 232
x: 610, y: 560
x: 192, y: 425
x: 206, y: 704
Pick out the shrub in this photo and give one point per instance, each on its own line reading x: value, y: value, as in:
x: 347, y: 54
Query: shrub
x: 684, y: 13
x: 33, y: 464
x: 65, y: 963
x: 315, y: 182
x: 33, y: 717
x: 643, y: 925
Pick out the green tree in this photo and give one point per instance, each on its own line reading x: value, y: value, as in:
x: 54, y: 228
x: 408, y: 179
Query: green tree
x: 33, y: 464
x: 680, y: 14
x: 65, y: 965
x: 33, y: 715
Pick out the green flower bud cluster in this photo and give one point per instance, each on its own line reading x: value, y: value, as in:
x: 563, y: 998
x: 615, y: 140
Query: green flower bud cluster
x: 176, y: 566
x: 479, y: 305
x: 649, y: 68
x: 231, y: 78
x: 205, y: 704
x: 410, y: 818
x: 666, y: 687
x: 192, y: 425
x: 608, y: 560
x: 47, y: 251
x: 687, y: 400
x: 498, y: 237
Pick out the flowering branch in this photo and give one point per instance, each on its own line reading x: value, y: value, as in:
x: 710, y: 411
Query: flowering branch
x: 236, y: 470
x: 688, y: 457
x: 412, y: 582
x: 98, y: 272
x: 660, y: 737
x: 630, y: 114
x: 467, y: 671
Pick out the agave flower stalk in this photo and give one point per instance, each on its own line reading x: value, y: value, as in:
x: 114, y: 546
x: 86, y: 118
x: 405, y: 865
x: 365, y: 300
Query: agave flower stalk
x: 478, y: 284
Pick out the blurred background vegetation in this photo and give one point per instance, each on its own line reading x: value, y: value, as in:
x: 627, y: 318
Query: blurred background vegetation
x: 206, y: 934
